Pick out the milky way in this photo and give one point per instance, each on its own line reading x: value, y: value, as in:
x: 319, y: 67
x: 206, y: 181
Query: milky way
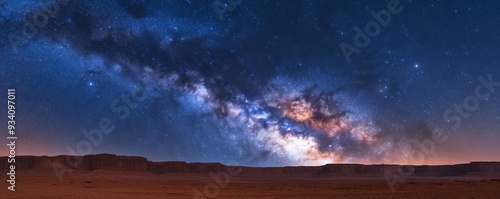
x: 267, y: 85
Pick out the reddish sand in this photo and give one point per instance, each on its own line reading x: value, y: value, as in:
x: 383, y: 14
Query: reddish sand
x: 109, y: 176
x: 125, y: 184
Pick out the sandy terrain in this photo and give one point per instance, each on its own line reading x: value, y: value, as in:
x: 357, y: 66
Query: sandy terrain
x: 122, y: 184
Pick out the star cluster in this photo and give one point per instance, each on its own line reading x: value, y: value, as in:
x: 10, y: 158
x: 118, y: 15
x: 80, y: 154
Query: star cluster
x: 267, y: 85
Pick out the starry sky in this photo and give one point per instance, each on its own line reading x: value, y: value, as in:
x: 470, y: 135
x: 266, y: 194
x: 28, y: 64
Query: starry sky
x: 258, y: 83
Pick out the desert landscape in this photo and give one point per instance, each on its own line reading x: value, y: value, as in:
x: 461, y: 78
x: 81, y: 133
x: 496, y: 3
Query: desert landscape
x: 241, y: 99
x: 111, y: 176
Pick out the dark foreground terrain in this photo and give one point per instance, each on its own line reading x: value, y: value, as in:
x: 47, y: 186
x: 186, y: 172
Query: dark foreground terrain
x: 110, y: 176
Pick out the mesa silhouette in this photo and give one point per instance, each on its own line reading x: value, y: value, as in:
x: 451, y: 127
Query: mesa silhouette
x: 132, y: 163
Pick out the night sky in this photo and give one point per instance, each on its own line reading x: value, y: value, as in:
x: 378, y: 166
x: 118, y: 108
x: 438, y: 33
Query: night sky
x: 259, y: 83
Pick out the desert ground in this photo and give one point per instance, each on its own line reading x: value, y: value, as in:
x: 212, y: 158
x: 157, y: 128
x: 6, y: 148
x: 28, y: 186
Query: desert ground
x: 109, y: 184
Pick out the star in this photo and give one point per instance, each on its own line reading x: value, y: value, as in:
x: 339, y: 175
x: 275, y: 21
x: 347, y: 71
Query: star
x: 272, y: 82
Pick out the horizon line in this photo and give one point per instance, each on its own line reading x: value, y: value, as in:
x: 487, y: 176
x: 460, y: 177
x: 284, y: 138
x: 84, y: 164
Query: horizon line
x: 371, y: 164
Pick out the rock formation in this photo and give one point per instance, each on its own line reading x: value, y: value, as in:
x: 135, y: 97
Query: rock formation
x: 127, y: 163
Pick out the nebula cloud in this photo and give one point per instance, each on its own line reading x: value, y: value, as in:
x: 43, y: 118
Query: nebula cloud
x: 249, y: 89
